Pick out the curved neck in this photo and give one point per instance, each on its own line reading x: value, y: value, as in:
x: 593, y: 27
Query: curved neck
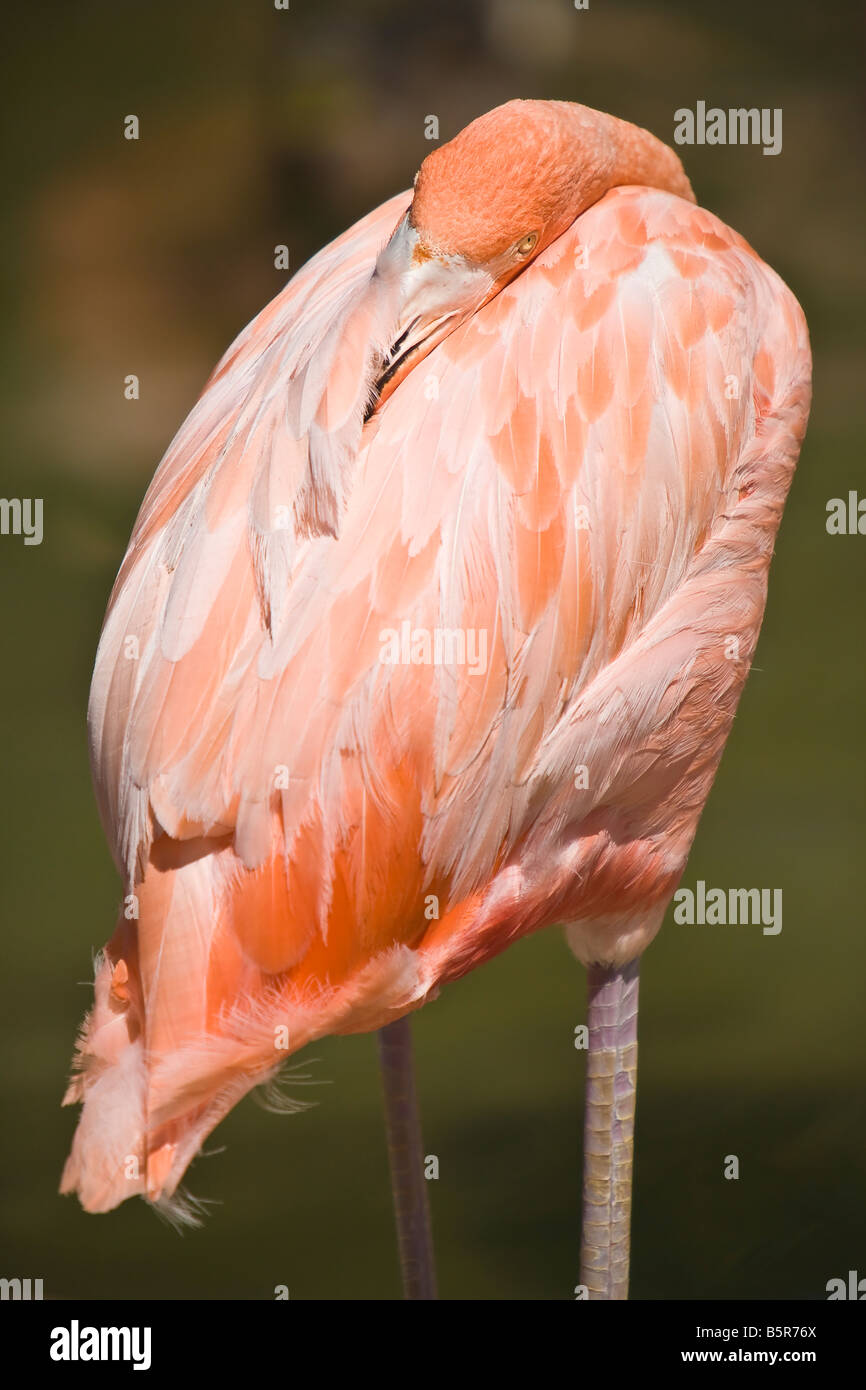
x: 611, y: 153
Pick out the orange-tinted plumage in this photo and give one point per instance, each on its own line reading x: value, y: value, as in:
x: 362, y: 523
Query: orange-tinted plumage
x: 571, y: 483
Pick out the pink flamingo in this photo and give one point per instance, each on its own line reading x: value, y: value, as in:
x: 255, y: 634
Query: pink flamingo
x: 430, y: 634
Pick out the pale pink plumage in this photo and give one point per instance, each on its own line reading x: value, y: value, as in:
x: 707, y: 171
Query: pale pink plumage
x: 590, y: 469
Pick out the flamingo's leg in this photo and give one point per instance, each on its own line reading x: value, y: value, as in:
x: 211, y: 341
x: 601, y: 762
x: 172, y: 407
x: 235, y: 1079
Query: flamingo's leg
x: 608, y: 1135
x: 406, y: 1156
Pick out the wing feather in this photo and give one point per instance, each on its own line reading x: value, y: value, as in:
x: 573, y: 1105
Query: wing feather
x: 532, y: 512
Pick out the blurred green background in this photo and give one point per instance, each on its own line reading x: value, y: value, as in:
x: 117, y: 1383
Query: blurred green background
x: 261, y: 127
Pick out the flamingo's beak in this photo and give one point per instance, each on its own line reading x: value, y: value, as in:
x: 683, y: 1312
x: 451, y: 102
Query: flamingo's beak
x: 436, y: 292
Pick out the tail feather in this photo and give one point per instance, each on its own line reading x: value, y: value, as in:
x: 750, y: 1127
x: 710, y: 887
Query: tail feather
x: 158, y: 1064
x: 185, y: 1022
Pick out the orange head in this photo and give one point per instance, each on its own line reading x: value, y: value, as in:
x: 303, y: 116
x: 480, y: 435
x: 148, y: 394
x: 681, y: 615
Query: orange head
x: 489, y: 201
x: 514, y: 179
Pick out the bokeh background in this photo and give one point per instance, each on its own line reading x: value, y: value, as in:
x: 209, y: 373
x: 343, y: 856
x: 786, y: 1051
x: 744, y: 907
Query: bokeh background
x: 261, y: 127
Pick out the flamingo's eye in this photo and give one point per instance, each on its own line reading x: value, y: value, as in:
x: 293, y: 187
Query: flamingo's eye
x: 526, y: 244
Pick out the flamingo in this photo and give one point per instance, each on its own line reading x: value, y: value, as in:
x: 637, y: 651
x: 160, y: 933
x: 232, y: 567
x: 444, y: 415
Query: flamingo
x: 430, y: 634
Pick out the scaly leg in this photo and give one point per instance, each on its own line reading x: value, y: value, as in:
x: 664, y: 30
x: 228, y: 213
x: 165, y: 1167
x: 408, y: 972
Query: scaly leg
x: 608, y: 1136
x: 406, y: 1156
